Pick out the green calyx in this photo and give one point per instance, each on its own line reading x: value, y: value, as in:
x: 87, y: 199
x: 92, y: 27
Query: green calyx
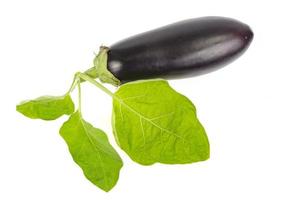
x: 99, y: 70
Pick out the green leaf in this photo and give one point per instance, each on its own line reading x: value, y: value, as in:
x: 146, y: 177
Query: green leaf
x: 47, y: 107
x: 153, y: 123
x: 91, y: 150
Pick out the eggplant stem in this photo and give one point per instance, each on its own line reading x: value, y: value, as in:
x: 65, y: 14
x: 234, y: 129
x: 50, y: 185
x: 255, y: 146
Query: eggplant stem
x: 74, y: 83
x: 91, y: 72
x: 79, y: 98
x: 94, y: 82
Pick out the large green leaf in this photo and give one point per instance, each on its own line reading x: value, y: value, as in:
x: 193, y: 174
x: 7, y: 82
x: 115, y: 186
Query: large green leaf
x: 47, y: 107
x: 92, y: 151
x: 154, y: 123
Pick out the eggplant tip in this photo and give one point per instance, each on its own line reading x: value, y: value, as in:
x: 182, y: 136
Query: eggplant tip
x: 248, y: 35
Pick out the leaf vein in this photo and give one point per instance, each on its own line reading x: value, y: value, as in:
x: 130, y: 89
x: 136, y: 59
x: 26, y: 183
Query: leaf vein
x: 97, y: 151
x: 147, y: 119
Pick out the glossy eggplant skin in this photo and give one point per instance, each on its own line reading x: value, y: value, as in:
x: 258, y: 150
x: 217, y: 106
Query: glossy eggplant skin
x: 187, y: 48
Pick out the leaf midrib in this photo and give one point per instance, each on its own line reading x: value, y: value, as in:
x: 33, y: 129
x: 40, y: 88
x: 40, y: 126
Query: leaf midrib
x: 146, y: 118
x: 97, y: 151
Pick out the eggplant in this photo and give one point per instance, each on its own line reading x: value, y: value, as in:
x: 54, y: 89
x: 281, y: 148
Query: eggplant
x: 187, y: 48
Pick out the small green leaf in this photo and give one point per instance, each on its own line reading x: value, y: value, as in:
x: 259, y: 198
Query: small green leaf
x: 92, y: 151
x: 47, y: 107
x: 153, y: 123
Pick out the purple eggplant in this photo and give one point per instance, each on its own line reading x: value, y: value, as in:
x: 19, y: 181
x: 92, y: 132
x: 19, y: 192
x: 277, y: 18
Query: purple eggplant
x: 187, y: 48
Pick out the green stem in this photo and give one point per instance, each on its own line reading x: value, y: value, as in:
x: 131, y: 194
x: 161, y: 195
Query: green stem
x: 79, y: 97
x: 92, y: 72
x: 77, y: 82
x: 74, y: 83
x: 94, y: 82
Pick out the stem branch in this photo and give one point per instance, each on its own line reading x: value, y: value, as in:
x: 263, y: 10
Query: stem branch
x: 94, y: 82
x: 74, y: 83
x: 79, y: 97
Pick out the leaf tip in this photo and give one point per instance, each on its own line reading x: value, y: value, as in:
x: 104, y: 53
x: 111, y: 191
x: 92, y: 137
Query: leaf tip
x: 21, y: 108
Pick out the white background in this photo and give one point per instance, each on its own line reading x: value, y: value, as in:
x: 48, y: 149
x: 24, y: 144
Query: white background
x: 251, y: 109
